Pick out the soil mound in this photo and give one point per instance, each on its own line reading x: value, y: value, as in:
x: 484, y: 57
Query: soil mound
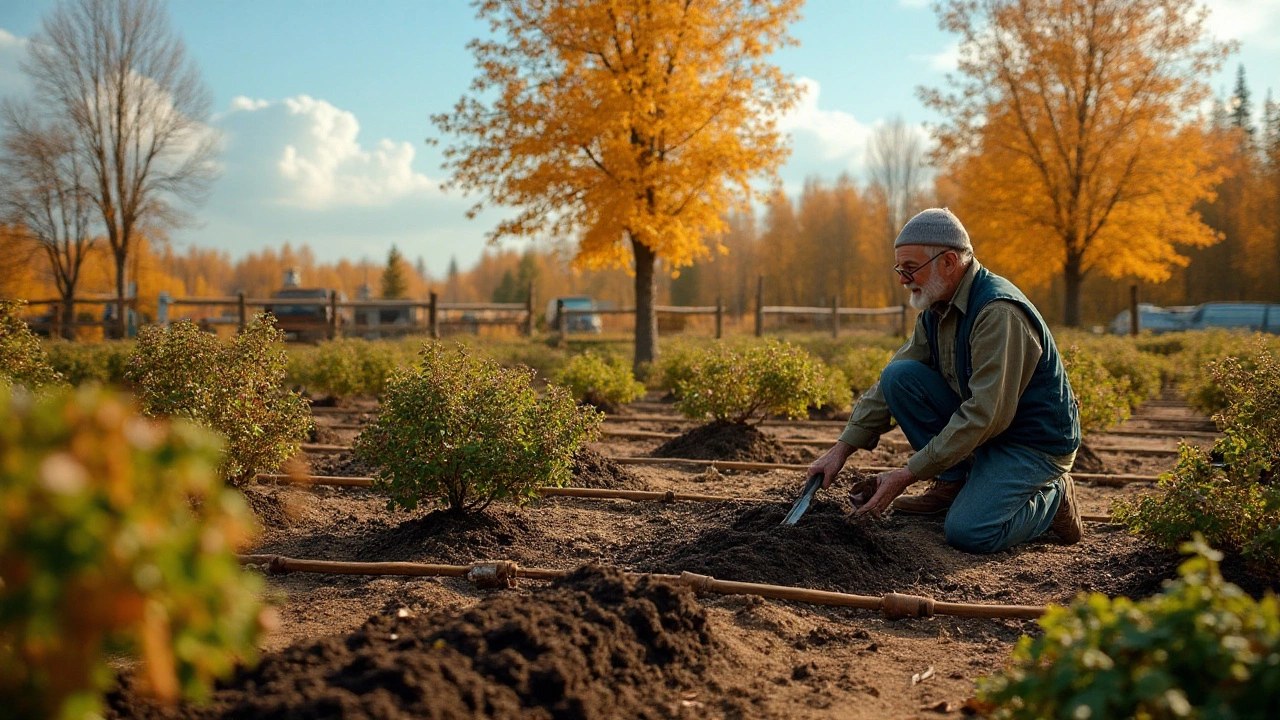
x: 341, y: 465
x: 598, y: 645
x: 324, y: 435
x: 593, y: 470
x: 1088, y: 461
x: 266, y: 506
x: 824, y: 550
x: 442, y: 536
x: 721, y: 440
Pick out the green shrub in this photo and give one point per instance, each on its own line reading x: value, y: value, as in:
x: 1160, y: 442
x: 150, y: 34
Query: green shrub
x: 740, y: 384
x: 862, y: 366
x: 1230, y: 495
x: 234, y: 387
x: 464, y: 432
x: 835, y: 392
x: 1200, y: 649
x: 675, y: 366
x: 115, y: 536
x: 81, y: 362
x: 346, y: 367
x: 600, y: 382
x: 1203, y: 349
x: 22, y: 360
x: 1104, y: 399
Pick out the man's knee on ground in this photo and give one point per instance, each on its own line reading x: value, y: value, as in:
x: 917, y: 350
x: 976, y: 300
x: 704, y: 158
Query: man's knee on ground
x: 977, y: 540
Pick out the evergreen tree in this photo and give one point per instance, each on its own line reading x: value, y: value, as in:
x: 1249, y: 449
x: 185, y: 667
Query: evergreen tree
x: 394, y: 283
x: 1241, y: 106
x: 507, y: 290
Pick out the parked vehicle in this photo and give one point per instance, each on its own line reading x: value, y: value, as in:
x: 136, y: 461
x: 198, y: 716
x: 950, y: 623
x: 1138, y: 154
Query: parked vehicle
x: 583, y: 323
x: 307, y: 316
x: 1256, y: 316
x: 1152, y: 318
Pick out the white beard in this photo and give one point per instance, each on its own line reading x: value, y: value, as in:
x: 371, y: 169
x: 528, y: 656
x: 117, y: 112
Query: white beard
x: 930, y: 292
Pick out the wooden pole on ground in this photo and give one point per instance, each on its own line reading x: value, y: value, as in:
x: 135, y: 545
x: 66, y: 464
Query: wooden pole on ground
x: 835, y: 316
x: 562, y: 322
x: 528, y: 309
x: 333, y: 314
x: 759, y: 306
x: 433, y: 316
x: 719, y: 318
x: 1134, y: 321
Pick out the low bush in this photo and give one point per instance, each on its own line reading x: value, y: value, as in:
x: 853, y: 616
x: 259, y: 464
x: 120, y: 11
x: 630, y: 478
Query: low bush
x: 1229, y: 494
x: 116, y: 536
x: 738, y: 385
x: 464, y: 431
x: 835, y: 392
x: 862, y: 366
x: 1201, y: 648
x: 235, y: 387
x: 346, y: 367
x: 1201, y: 350
x: 22, y: 360
x: 600, y: 382
x: 674, y: 367
x: 1104, y: 399
x: 81, y: 362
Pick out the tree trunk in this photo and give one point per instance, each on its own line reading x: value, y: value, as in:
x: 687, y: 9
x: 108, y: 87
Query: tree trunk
x: 646, y: 296
x: 121, y: 327
x: 1072, y: 277
x: 68, y: 316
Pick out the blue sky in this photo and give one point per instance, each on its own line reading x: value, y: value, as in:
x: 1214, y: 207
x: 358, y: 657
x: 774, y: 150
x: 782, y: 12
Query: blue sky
x: 324, y: 107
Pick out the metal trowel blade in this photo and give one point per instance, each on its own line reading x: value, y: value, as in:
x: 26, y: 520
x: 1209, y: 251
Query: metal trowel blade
x: 806, y: 496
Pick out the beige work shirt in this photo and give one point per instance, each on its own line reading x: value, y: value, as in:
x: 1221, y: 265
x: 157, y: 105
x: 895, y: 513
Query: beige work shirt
x: 1005, y: 350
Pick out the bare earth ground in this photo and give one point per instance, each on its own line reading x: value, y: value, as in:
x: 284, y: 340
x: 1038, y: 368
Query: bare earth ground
x: 770, y: 658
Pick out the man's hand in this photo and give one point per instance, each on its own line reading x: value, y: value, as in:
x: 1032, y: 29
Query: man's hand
x: 830, y: 463
x: 889, y: 485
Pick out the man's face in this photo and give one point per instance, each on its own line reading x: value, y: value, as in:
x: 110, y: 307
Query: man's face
x: 929, y: 281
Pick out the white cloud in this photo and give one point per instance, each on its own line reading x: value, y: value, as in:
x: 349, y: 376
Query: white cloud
x: 12, y: 49
x: 316, y: 160
x: 829, y: 134
x: 945, y: 60
x: 1251, y: 20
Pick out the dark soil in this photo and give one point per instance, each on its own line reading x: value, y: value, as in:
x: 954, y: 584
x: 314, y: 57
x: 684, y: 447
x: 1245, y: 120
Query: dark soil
x: 325, y: 435
x: 601, y: 403
x: 591, y: 469
x: 1088, y: 461
x: 598, y: 645
x: 341, y: 465
x: 443, y: 536
x: 727, y: 441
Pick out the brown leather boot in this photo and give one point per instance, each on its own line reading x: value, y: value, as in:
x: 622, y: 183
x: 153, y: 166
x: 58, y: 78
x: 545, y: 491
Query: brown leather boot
x: 1066, y: 522
x: 935, y: 501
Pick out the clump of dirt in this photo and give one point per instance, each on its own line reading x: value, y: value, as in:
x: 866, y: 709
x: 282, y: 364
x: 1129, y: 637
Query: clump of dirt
x: 599, y: 402
x: 324, y: 435
x: 600, y: 644
x: 721, y: 440
x: 443, y: 536
x: 591, y: 469
x: 341, y: 465
x: 824, y: 550
x: 266, y: 506
x: 1088, y: 461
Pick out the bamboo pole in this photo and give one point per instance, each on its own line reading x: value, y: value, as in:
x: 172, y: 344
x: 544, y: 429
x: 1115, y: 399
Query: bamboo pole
x: 503, y: 573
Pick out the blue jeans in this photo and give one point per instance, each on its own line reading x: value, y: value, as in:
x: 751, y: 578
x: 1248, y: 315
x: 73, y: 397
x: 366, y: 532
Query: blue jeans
x: 1013, y: 490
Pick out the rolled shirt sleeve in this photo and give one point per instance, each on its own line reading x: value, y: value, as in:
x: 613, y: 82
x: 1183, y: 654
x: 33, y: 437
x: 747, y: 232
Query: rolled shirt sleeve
x: 1005, y: 350
x: 870, y: 417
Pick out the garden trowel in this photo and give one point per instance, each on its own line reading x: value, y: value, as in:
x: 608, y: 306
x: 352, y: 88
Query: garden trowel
x: 806, y: 496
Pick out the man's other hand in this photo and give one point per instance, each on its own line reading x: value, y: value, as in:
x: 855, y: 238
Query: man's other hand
x: 889, y: 485
x: 831, y: 462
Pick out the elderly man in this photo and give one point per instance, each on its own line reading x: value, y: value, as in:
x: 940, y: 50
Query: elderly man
x: 981, y: 394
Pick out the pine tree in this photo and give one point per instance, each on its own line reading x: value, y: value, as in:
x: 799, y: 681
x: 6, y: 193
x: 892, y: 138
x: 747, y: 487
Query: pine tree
x: 394, y: 283
x: 1241, y: 106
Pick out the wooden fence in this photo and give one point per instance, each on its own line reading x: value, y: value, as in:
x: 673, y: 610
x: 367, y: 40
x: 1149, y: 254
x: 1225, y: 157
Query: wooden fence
x: 54, y: 325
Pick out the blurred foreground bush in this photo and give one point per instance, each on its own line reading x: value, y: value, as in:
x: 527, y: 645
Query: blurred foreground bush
x: 465, y: 431
x: 1201, y: 649
x: 116, y: 535
x: 22, y: 360
x: 1229, y: 494
x: 234, y: 387
x: 751, y: 382
x: 600, y: 382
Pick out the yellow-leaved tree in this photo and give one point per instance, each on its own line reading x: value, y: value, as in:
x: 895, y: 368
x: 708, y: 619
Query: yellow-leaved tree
x: 1072, y: 135
x: 634, y: 125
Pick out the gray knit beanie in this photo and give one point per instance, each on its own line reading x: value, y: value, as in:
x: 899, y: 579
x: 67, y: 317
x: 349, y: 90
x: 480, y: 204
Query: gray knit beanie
x: 935, y: 226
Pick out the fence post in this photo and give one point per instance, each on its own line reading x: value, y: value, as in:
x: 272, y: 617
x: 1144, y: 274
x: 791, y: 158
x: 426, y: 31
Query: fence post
x: 55, y: 331
x: 1134, y: 323
x: 719, y: 318
x: 433, y: 317
x: 902, y: 322
x: 562, y: 322
x: 835, y: 316
x: 528, y: 308
x: 333, y: 314
x: 759, y: 306
x: 244, y: 314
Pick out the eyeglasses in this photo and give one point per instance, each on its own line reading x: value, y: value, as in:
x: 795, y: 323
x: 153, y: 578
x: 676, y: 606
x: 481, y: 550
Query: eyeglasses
x: 909, y: 275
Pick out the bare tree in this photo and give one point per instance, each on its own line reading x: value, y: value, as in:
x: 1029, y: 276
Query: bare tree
x: 121, y: 78
x: 896, y: 159
x: 45, y: 193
